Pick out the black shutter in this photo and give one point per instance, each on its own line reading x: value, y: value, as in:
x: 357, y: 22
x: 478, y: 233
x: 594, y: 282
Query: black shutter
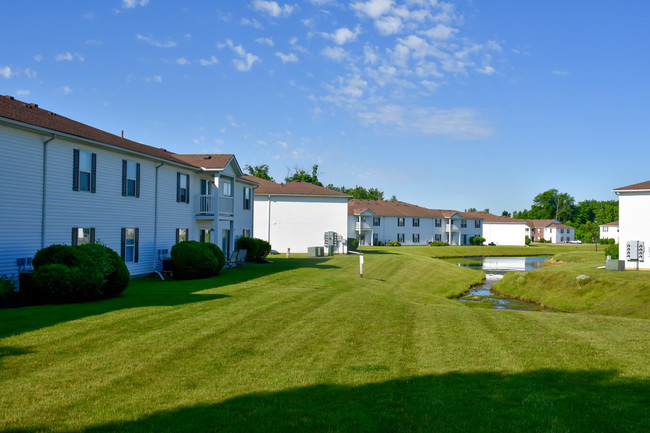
x: 244, y: 197
x: 202, y: 235
x: 93, y: 175
x: 187, y: 234
x: 75, y: 170
x: 75, y: 237
x: 137, y: 180
x: 124, y: 182
x: 137, y: 245
x: 178, y: 235
x: 178, y: 186
x: 123, y: 245
x: 92, y: 235
x: 187, y: 193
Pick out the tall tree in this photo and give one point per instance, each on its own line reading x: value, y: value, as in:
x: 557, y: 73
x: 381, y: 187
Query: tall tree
x: 553, y: 204
x: 359, y: 192
x: 261, y: 171
x: 302, y: 175
x: 505, y: 213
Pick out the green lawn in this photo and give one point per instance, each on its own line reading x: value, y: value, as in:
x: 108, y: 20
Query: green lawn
x: 307, y: 345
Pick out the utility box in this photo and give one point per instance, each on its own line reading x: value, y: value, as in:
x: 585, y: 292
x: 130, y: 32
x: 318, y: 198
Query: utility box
x: 315, y: 251
x: 615, y: 265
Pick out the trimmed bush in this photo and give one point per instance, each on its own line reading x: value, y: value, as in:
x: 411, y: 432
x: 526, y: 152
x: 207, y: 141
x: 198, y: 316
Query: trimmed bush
x: 263, y: 250
x: 438, y: 244
x: 192, y: 259
x: 612, y: 250
x: 379, y: 244
x: 477, y: 240
x: 353, y: 244
x: 393, y: 244
x: 112, y: 267
x: 221, y: 257
x: 60, y: 283
x: 7, y: 288
x: 527, y: 240
x: 251, y: 245
x: 62, y: 255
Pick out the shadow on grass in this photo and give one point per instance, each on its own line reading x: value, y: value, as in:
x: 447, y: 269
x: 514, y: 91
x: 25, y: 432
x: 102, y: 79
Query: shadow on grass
x: 544, y: 401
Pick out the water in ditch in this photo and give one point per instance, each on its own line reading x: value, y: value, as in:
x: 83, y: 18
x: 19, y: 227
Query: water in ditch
x: 495, y: 268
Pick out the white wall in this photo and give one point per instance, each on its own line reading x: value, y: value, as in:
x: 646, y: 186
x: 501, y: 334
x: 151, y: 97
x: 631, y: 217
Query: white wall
x: 633, y: 209
x: 609, y: 232
x: 504, y: 233
x: 299, y: 222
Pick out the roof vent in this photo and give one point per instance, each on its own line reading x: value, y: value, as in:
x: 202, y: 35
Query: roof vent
x: 207, y: 157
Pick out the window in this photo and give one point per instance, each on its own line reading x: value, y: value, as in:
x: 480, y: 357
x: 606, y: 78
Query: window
x: 400, y: 221
x: 130, y: 178
x: 568, y: 231
x: 205, y: 235
x: 246, y: 233
x: 416, y: 222
x: 182, y: 187
x: 376, y: 221
x: 477, y: 224
x: 182, y: 235
x: 226, y: 187
x: 130, y: 241
x: 83, y: 235
x: 84, y: 166
x: 463, y: 223
x: 247, y: 198
x: 604, y: 229
x: 438, y: 237
x: 416, y: 238
x: 400, y: 237
x: 562, y: 239
x: 438, y: 223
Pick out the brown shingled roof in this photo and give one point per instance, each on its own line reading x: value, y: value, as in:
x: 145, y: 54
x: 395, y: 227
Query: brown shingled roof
x: 491, y: 218
x: 31, y: 114
x: 396, y: 208
x: 295, y: 187
x: 636, y: 187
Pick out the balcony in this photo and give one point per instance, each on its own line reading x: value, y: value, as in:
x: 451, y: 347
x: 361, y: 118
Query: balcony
x: 206, y: 208
x: 452, y: 228
x: 226, y: 205
x: 364, y: 226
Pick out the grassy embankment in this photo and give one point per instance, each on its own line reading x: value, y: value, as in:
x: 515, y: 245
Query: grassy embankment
x: 306, y: 345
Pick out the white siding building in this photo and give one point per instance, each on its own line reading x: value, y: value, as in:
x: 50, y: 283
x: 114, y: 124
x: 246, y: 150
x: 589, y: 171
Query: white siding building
x: 64, y: 182
x: 633, y: 211
x: 373, y: 221
x: 501, y: 230
x: 551, y: 230
x: 609, y: 231
x: 296, y: 215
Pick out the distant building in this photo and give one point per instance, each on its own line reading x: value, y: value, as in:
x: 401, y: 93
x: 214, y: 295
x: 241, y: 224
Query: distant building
x: 295, y: 215
x: 609, y: 231
x: 633, y: 211
x: 501, y: 230
x: 550, y: 230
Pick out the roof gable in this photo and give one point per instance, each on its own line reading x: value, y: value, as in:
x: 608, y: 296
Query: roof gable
x: 295, y: 187
x: 642, y: 186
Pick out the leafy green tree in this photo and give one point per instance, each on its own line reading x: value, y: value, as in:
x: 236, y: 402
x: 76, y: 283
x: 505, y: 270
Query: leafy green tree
x: 472, y: 209
x: 359, y: 192
x: 553, y: 204
x: 505, y: 213
x: 302, y: 175
x: 393, y: 197
x: 261, y: 171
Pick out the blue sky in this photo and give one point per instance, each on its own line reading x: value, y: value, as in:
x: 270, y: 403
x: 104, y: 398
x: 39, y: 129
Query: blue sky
x: 446, y: 104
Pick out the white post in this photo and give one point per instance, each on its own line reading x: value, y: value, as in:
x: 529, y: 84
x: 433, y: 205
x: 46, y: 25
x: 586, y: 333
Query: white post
x: 361, y: 265
x: 288, y: 252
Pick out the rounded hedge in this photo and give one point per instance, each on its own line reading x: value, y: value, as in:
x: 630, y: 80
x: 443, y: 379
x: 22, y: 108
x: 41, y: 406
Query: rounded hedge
x: 221, y: 257
x: 251, y: 246
x: 61, y: 254
x: 111, y: 266
x: 263, y: 249
x: 59, y: 283
x: 192, y: 259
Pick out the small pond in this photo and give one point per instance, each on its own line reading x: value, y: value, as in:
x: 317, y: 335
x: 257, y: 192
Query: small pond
x: 495, y: 268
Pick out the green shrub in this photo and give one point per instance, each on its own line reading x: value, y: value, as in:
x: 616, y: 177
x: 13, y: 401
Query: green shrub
x: 61, y: 254
x: 251, y: 245
x: 112, y: 267
x: 477, y: 240
x: 438, y: 244
x: 527, y: 240
x: 607, y: 241
x: 379, y: 244
x: 612, y: 251
x: 353, y: 244
x: 263, y: 249
x: 221, y: 257
x: 60, y: 283
x: 7, y: 288
x: 393, y: 244
x: 192, y: 259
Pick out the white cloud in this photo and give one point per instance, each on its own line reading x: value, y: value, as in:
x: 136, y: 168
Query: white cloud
x: 287, y: 58
x: 155, y: 43
x: 272, y: 8
x: 373, y: 8
x: 370, y: 54
x: 265, y: 41
x: 459, y: 123
x: 486, y: 70
x: 130, y: 4
x: 5, y: 71
x: 89, y: 16
x: 182, y: 61
x: 440, y: 32
x: 38, y: 57
x: 343, y: 35
x: 388, y: 25
x: 346, y: 90
x: 66, y: 56
x: 337, y: 54
x: 154, y: 79
x: 563, y: 73
x: 22, y: 92
x: 251, y: 22
x: 30, y: 74
x: 245, y: 61
x: 66, y: 90
x: 209, y: 62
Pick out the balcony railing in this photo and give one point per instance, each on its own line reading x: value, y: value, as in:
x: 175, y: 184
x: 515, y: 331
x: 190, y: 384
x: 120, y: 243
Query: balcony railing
x: 364, y: 226
x: 452, y: 228
x: 206, y: 205
x: 226, y: 205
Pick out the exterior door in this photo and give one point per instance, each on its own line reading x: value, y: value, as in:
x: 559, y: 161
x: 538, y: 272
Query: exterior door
x: 225, y: 242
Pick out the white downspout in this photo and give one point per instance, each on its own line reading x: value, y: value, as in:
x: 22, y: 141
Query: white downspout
x: 44, y: 201
x: 155, y: 219
x: 268, y: 223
